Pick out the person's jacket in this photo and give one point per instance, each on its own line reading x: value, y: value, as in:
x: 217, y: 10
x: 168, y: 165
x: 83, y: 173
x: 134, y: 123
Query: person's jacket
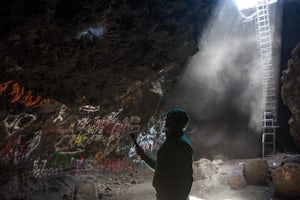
x: 173, y: 176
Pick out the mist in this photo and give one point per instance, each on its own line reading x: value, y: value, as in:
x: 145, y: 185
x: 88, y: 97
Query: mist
x: 221, y: 88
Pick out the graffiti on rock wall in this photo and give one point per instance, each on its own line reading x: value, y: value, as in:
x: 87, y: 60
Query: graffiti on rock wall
x: 120, y: 132
x: 90, y: 109
x: 18, y: 148
x: 146, y: 141
x: 62, y: 159
x: 17, y: 145
x: 107, y: 133
x: 151, y: 140
x: 18, y: 94
x: 17, y: 123
x: 115, y: 165
x: 93, y: 142
x: 77, y: 165
x: 119, y: 164
x: 100, y: 157
x: 62, y: 111
x: 74, y: 141
x: 39, y: 167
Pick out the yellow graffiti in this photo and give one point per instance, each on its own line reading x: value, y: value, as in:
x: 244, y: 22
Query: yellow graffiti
x: 78, y: 139
x: 72, y: 127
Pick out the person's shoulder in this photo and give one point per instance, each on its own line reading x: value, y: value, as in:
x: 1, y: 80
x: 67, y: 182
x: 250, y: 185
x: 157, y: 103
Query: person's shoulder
x: 185, y: 142
x: 184, y: 139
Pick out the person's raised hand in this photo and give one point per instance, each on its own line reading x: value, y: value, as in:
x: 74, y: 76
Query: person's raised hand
x: 139, y: 151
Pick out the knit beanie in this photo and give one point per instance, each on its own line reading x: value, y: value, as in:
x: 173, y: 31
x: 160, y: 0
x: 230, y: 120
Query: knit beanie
x: 180, y: 118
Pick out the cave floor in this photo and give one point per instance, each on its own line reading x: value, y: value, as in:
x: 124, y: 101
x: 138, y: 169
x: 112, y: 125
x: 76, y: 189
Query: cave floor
x: 131, y: 185
x: 214, y: 188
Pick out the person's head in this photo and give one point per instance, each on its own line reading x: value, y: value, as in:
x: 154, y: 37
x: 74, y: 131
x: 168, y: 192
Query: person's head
x: 177, y: 120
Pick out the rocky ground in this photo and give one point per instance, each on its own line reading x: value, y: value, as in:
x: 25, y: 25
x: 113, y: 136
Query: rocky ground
x: 214, y: 188
x: 214, y: 180
x: 218, y: 184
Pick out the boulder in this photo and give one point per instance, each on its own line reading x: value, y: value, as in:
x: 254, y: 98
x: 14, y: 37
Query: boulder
x: 237, y: 182
x: 87, y: 191
x: 286, y: 181
x: 256, y: 172
x: 204, y: 169
x: 290, y: 93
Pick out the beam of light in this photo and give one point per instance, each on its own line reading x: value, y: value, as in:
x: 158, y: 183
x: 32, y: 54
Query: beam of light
x: 224, y: 85
x: 225, y: 80
x: 244, y: 4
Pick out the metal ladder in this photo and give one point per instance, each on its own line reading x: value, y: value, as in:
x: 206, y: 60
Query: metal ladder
x: 264, y: 38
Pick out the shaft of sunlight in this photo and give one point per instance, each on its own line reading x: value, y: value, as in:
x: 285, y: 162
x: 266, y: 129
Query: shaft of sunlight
x: 244, y: 4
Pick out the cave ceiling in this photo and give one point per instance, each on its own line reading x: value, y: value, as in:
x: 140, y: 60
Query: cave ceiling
x: 96, y: 52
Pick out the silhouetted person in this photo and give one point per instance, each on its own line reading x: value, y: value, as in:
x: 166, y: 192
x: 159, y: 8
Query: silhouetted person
x: 173, y: 176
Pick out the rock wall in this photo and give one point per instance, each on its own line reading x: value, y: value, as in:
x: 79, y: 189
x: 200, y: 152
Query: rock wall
x: 290, y: 93
x: 58, y: 137
x: 290, y: 38
x: 76, y: 78
x: 47, y: 147
x: 96, y: 51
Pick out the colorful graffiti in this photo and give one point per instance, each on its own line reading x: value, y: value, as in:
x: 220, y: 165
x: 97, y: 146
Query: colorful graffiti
x: 18, y: 149
x: 108, y: 137
x: 19, y: 95
x: 75, y: 141
x: 150, y: 141
x: 77, y: 165
x: 105, y: 133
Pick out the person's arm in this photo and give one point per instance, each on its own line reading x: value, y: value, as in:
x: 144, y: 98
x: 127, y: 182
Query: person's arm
x: 140, y: 152
x: 148, y: 160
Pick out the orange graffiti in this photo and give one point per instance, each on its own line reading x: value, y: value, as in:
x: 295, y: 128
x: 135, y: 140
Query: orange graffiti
x: 4, y: 86
x: 100, y: 156
x: 29, y: 101
x: 18, y: 94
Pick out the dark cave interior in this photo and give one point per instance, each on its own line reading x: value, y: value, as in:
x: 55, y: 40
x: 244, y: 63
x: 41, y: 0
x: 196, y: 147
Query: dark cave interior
x: 77, y: 77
